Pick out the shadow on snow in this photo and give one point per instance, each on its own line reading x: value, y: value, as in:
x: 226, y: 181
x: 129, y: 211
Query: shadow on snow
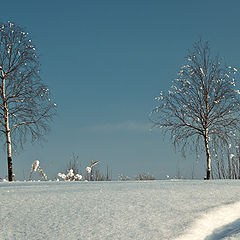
x: 225, y: 231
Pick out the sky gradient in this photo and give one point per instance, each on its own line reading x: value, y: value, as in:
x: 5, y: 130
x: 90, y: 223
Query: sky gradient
x: 104, y: 62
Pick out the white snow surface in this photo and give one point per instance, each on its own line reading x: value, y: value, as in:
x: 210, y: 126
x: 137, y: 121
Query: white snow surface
x: 163, y: 210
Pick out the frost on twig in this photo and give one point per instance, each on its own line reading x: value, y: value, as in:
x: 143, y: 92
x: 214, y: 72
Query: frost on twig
x: 44, y: 176
x: 89, y: 171
x: 35, y: 167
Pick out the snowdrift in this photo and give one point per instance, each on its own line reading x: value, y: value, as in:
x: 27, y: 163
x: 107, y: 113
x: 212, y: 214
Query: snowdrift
x: 165, y: 210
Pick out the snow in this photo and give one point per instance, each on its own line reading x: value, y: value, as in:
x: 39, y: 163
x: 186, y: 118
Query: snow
x: 88, y: 169
x: 211, y: 222
x: 35, y: 165
x: 172, y: 210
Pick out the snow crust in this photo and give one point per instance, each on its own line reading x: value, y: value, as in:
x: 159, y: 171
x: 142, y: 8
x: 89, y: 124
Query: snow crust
x: 208, y: 210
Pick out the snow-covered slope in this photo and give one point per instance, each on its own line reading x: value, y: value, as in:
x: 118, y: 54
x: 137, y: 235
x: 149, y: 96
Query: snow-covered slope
x: 162, y: 210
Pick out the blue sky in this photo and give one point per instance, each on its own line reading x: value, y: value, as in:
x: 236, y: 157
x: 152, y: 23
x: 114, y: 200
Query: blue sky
x: 104, y: 62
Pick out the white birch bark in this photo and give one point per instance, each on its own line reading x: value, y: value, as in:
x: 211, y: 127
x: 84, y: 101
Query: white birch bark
x: 7, y: 130
x: 208, y: 155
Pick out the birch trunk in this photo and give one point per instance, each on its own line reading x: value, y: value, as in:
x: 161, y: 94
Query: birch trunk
x: 208, y: 155
x: 9, y: 155
x: 7, y: 132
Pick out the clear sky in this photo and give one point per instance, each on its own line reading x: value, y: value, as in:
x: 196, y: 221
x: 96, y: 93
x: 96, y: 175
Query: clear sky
x: 104, y: 62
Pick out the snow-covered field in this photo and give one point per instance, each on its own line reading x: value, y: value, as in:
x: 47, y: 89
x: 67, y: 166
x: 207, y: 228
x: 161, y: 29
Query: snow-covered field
x: 162, y: 210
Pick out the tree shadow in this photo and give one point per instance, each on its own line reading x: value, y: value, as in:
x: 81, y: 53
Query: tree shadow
x: 225, y: 231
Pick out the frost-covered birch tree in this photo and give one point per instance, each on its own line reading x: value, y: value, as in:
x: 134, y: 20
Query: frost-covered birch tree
x: 201, y: 110
x: 25, y: 105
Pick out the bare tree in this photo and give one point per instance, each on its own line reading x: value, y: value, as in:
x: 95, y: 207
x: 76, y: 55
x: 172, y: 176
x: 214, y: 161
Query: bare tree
x: 25, y: 105
x: 201, y: 110
x: 73, y: 164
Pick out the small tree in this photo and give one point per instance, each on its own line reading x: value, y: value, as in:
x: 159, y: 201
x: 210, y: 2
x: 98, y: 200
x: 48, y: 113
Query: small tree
x: 202, y: 108
x: 73, y: 164
x: 25, y: 105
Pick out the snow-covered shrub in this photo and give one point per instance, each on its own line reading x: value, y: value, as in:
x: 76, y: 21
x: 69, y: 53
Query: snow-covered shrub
x: 73, y: 174
x: 70, y: 176
x: 62, y: 175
